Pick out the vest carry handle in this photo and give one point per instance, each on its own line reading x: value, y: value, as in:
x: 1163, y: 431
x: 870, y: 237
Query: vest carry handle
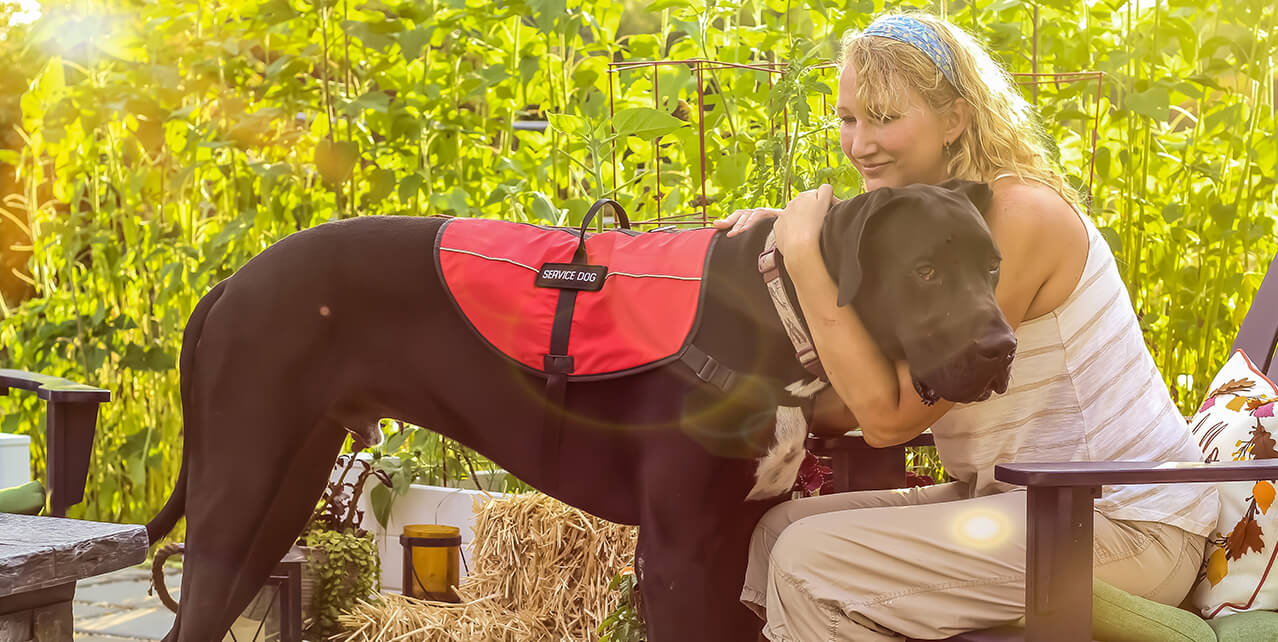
x: 579, y: 256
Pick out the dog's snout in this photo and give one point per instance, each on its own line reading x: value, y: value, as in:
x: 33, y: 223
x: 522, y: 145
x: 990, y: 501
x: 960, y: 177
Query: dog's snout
x: 997, y: 344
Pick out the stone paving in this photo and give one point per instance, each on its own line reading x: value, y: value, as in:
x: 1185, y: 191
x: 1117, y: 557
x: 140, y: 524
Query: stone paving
x: 115, y: 607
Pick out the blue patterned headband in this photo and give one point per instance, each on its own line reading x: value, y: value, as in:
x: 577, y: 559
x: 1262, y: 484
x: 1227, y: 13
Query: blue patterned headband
x: 918, y: 35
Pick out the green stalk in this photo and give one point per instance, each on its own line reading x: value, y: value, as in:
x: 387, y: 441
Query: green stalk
x: 350, y: 129
x: 329, y: 112
x: 508, y: 138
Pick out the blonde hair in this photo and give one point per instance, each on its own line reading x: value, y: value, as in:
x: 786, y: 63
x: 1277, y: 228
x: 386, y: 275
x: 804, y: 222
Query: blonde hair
x: 1003, y: 135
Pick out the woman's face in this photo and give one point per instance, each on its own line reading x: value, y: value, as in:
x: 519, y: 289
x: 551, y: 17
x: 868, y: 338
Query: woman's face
x: 894, y: 151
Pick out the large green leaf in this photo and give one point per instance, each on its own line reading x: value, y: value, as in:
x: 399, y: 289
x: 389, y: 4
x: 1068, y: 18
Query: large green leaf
x: 645, y: 123
x: 1154, y: 102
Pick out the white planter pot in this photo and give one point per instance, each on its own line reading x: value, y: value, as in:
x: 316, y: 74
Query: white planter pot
x: 422, y: 504
x: 489, y: 480
x: 15, y: 460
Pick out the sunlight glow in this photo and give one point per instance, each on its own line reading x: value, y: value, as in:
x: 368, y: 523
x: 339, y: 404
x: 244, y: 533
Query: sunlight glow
x: 71, y: 31
x: 28, y: 12
x: 981, y: 529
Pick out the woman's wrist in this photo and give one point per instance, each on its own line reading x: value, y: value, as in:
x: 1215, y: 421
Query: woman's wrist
x: 805, y: 262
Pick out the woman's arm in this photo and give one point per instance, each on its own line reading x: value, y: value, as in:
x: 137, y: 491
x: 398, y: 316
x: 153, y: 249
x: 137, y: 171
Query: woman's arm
x: 878, y: 392
x: 830, y: 416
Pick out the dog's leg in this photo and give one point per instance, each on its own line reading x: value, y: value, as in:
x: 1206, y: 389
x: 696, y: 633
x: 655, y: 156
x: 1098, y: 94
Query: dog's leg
x: 693, y: 543
x: 239, y: 528
x: 282, y: 520
x: 264, y: 451
x: 691, y: 576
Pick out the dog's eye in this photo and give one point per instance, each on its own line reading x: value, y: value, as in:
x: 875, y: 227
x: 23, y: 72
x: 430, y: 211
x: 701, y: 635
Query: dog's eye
x: 994, y: 266
x: 925, y: 272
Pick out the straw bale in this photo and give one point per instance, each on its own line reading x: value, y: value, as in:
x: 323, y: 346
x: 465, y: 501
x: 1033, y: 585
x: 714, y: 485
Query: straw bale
x: 539, y: 572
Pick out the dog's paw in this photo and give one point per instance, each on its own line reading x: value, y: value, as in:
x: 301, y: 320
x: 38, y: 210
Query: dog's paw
x: 778, y: 469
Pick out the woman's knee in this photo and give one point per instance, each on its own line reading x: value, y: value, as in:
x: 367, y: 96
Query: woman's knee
x: 774, y: 522
x: 779, y: 517
x: 807, y: 550
x: 765, y: 535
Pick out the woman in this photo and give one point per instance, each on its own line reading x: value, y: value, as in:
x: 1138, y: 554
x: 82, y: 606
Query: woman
x: 921, y: 102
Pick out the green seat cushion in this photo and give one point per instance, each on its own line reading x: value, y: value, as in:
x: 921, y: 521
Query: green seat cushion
x: 26, y: 499
x: 1252, y: 626
x: 1119, y: 616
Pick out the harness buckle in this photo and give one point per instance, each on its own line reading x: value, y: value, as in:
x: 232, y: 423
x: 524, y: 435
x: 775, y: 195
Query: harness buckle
x: 708, y: 370
x: 557, y: 363
x: 768, y: 263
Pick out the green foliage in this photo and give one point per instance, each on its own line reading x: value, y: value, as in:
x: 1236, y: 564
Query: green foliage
x: 624, y: 624
x: 344, y: 563
x: 345, y: 572
x: 182, y: 138
x: 338, y: 506
x: 414, y: 455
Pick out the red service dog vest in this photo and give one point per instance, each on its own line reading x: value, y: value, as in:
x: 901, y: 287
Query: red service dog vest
x: 637, y: 293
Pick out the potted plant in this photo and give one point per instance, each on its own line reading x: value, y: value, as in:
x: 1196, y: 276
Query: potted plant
x: 417, y: 456
x: 420, y: 476
x: 342, y: 561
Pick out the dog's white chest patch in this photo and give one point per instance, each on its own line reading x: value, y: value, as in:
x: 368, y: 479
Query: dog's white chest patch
x: 777, y: 469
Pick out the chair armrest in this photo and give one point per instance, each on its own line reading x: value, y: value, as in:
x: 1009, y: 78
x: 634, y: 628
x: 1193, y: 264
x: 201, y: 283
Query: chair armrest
x: 1059, y: 515
x: 71, y: 420
x: 50, y: 388
x: 1102, y: 473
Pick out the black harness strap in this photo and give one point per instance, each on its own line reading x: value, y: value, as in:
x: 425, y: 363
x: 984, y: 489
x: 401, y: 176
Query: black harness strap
x: 557, y: 363
x: 707, y: 368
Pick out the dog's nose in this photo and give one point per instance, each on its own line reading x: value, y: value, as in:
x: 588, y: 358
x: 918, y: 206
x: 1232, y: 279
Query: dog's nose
x: 998, y: 344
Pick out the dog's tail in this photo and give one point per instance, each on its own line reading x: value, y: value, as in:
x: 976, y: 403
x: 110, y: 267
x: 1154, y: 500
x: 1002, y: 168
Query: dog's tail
x: 175, y: 507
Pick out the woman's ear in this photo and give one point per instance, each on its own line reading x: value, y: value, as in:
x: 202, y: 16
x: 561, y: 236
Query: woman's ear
x: 957, y: 119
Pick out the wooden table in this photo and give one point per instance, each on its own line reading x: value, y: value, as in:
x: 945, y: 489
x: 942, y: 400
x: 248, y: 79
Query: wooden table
x: 41, y: 559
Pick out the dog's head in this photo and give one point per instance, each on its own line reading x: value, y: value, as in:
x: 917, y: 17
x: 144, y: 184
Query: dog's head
x: 919, y: 266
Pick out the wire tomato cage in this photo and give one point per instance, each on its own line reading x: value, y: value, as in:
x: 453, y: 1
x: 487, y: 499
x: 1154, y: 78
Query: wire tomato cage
x: 698, y: 68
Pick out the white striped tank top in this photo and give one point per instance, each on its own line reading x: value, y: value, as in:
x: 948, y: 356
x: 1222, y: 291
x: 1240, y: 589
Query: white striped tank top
x: 1083, y: 388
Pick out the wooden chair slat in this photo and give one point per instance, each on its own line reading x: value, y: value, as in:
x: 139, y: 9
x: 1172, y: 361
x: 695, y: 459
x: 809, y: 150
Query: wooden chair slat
x: 1103, y: 473
x: 1259, y: 332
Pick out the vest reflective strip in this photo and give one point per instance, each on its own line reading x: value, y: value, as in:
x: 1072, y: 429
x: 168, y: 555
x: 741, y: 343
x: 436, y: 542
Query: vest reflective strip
x: 653, y: 276
x: 610, y: 274
x: 490, y: 258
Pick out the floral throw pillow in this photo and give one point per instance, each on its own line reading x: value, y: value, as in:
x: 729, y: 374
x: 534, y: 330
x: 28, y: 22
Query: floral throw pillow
x: 1236, y: 422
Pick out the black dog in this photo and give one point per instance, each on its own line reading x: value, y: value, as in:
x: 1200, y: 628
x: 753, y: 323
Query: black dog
x: 336, y: 327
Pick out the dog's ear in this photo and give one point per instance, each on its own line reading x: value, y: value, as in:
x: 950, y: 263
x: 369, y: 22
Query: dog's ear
x: 841, y: 237
x: 977, y: 192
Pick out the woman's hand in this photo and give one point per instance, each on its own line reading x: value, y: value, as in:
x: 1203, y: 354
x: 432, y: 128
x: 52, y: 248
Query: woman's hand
x: 740, y: 220
x: 798, y: 229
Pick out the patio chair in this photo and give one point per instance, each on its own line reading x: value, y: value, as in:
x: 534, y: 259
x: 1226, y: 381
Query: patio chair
x: 71, y: 418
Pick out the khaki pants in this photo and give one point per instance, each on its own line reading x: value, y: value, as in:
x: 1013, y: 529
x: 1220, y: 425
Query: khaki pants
x: 929, y: 563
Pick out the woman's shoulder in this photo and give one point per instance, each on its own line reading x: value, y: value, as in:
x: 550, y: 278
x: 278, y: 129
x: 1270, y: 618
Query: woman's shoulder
x: 1044, y: 237
x: 1027, y: 207
x: 1029, y: 190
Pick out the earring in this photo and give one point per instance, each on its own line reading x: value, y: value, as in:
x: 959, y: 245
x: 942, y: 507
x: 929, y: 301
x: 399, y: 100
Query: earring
x: 947, y: 149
